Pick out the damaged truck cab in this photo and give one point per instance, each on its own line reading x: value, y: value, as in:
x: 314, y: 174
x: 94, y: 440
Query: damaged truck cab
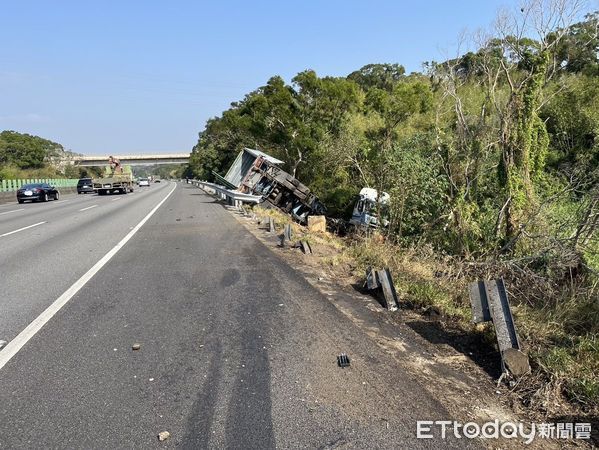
x: 370, y: 210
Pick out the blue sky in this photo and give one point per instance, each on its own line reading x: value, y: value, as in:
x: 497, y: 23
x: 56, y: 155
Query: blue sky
x: 144, y: 76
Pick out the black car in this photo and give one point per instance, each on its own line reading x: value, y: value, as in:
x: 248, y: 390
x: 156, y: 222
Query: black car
x: 37, y: 192
x: 84, y: 185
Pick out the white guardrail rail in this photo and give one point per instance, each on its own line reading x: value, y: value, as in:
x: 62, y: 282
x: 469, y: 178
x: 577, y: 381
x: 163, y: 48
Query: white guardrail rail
x: 233, y: 198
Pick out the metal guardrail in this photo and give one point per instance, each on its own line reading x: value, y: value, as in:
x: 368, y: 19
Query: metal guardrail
x: 233, y: 198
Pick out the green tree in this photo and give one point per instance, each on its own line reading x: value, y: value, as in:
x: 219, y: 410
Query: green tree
x: 25, y: 151
x: 380, y: 76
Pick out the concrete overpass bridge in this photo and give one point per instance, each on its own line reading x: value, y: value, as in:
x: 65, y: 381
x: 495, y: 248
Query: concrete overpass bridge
x: 132, y: 160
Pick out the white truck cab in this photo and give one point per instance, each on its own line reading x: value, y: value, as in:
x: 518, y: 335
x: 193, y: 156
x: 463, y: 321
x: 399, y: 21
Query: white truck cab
x: 369, y: 207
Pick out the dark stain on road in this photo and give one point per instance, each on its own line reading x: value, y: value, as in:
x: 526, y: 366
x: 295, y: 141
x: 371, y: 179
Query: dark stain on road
x: 229, y: 278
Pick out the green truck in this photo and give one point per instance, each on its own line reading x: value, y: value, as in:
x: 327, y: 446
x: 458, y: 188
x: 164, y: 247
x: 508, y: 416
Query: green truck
x: 114, y: 182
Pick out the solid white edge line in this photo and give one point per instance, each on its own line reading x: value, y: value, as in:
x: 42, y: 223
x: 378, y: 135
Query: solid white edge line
x: 13, y: 347
x: 21, y: 229
x: 14, y: 210
x: 89, y: 207
x: 115, y: 199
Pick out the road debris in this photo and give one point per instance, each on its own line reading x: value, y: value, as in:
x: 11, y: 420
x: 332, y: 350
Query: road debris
x: 343, y: 360
x: 2, y: 344
x: 136, y: 346
x: 163, y: 435
x: 317, y: 224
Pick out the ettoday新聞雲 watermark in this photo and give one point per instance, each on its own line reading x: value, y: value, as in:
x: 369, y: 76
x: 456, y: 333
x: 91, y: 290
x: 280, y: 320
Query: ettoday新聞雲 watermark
x: 429, y: 429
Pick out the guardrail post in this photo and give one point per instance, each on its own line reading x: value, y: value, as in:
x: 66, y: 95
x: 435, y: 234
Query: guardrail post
x: 271, y: 225
x: 490, y: 302
x: 381, y: 280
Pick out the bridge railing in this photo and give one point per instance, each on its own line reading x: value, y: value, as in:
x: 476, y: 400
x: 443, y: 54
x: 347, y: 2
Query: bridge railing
x: 233, y: 198
x: 13, y: 185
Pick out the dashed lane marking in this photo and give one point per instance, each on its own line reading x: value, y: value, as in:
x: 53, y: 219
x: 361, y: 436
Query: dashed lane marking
x: 21, y: 229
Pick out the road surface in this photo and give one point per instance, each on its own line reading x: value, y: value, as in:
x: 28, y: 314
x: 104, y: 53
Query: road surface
x: 237, y: 350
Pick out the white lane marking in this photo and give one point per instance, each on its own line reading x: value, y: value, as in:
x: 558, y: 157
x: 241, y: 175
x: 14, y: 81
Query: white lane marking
x: 31, y: 330
x: 115, y: 199
x: 14, y: 210
x: 59, y: 201
x: 89, y: 207
x: 21, y: 229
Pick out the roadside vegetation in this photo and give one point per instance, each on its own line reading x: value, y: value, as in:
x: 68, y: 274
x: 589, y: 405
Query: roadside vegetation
x: 23, y: 156
x: 491, y: 159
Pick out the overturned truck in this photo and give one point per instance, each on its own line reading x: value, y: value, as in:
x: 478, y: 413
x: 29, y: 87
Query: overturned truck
x: 255, y: 172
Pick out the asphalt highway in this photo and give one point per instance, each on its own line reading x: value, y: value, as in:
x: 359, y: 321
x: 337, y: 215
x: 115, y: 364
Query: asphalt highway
x: 236, y: 349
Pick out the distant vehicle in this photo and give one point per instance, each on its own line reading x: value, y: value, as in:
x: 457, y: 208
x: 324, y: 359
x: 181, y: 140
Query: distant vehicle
x: 37, y: 192
x: 369, y: 207
x: 85, y: 185
x: 157, y: 180
x: 143, y: 182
